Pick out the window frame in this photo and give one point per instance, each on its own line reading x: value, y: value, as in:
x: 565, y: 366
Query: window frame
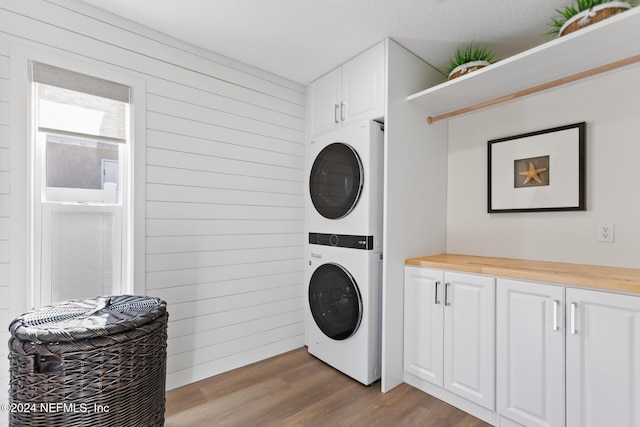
x: 44, y: 209
x: 22, y: 171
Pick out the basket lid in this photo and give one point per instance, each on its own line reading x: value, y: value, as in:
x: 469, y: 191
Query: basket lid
x: 77, y: 320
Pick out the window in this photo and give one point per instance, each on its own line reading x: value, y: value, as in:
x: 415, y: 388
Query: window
x: 81, y: 185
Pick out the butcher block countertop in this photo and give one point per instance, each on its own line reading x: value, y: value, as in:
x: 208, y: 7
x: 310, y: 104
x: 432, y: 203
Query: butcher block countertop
x: 588, y: 276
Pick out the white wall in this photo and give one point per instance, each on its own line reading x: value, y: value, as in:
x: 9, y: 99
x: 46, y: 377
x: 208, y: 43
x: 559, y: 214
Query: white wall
x: 610, y: 104
x: 224, y: 186
x: 5, y: 222
x: 414, y: 193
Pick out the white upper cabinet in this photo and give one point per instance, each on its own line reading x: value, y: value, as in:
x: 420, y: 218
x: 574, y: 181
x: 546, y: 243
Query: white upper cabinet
x: 348, y: 94
x: 603, y: 359
x: 363, y: 86
x: 324, y: 103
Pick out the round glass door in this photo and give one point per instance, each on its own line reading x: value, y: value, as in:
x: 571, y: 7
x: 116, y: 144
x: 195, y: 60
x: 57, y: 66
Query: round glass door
x: 336, y: 180
x: 335, y: 301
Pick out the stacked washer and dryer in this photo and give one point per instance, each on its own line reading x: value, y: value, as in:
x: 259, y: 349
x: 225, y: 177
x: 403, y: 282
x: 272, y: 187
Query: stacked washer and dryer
x: 344, y: 271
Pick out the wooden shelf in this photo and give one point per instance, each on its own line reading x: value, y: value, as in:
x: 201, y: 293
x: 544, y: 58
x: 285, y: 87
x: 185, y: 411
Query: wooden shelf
x: 587, y: 276
x: 610, y: 41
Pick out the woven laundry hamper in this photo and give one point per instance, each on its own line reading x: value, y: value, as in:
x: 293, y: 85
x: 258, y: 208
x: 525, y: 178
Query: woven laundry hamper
x: 94, y: 362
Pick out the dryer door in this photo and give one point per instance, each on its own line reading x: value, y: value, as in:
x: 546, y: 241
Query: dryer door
x: 336, y: 180
x: 335, y: 301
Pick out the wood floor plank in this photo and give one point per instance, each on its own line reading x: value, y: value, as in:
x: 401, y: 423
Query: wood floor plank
x: 296, y: 389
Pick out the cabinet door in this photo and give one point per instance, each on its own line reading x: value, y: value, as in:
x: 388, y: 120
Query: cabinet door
x: 603, y: 359
x: 363, y: 86
x: 530, y: 352
x: 324, y: 103
x: 469, y: 337
x: 423, y: 300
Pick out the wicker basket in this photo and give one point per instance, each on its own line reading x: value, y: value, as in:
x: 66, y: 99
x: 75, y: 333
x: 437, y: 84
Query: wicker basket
x: 469, y: 67
x: 98, y: 362
x: 593, y: 15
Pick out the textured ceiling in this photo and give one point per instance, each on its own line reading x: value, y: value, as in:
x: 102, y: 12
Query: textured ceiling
x: 303, y: 39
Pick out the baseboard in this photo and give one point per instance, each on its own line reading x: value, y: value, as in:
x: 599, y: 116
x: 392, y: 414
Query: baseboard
x: 477, y: 411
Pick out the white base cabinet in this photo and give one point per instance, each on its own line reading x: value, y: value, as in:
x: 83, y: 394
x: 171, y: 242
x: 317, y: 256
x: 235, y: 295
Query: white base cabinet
x: 449, y: 332
x: 567, y: 356
x: 530, y: 353
x: 424, y: 324
x: 603, y: 359
x: 563, y: 356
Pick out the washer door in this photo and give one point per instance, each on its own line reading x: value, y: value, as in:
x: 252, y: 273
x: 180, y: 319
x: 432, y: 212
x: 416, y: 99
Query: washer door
x: 335, y: 301
x: 336, y: 180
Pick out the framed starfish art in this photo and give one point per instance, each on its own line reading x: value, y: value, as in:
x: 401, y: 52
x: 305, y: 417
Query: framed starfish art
x: 538, y: 171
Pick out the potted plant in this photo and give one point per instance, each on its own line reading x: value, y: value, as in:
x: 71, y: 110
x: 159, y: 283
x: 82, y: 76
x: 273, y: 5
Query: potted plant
x: 586, y: 12
x: 468, y: 59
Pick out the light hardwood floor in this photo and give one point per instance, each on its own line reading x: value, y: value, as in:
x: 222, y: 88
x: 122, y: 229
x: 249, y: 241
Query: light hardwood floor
x: 296, y: 389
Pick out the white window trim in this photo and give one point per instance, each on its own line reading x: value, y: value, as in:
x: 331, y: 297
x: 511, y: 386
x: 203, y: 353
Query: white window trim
x: 23, y: 174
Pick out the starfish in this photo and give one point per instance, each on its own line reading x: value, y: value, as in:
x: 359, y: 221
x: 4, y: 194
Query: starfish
x: 532, y: 173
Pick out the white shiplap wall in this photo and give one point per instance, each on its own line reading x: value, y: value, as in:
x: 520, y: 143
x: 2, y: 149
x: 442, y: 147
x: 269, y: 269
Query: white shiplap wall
x: 224, y: 185
x: 5, y: 167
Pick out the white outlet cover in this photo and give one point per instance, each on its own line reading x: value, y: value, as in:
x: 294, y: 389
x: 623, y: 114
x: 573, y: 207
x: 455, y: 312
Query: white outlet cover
x: 606, y: 232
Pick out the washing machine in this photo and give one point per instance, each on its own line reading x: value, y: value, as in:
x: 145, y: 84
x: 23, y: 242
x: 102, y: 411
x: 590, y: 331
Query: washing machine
x: 344, y: 309
x: 345, y: 181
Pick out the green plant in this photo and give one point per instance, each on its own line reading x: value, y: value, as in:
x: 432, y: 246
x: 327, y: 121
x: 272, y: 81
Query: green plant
x: 580, y: 5
x: 467, y: 54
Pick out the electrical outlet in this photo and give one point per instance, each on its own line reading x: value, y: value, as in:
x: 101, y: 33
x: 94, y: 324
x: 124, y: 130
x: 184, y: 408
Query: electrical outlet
x: 606, y: 232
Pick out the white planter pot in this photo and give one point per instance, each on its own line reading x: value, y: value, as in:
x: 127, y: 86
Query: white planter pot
x: 588, y: 16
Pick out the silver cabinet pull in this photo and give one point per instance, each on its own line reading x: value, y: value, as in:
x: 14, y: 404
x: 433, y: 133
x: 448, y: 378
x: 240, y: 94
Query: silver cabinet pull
x: 556, y: 304
x: 336, y: 116
x: 343, y: 107
x: 446, y: 294
x: 437, y: 301
x: 573, y: 331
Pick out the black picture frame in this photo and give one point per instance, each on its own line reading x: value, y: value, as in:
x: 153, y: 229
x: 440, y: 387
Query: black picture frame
x: 542, y: 171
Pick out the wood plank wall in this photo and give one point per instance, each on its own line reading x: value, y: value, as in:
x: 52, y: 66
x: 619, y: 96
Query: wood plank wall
x: 5, y: 168
x: 224, y: 185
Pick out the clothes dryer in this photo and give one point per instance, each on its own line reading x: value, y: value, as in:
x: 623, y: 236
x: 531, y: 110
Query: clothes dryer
x: 345, y: 172
x: 344, y: 309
